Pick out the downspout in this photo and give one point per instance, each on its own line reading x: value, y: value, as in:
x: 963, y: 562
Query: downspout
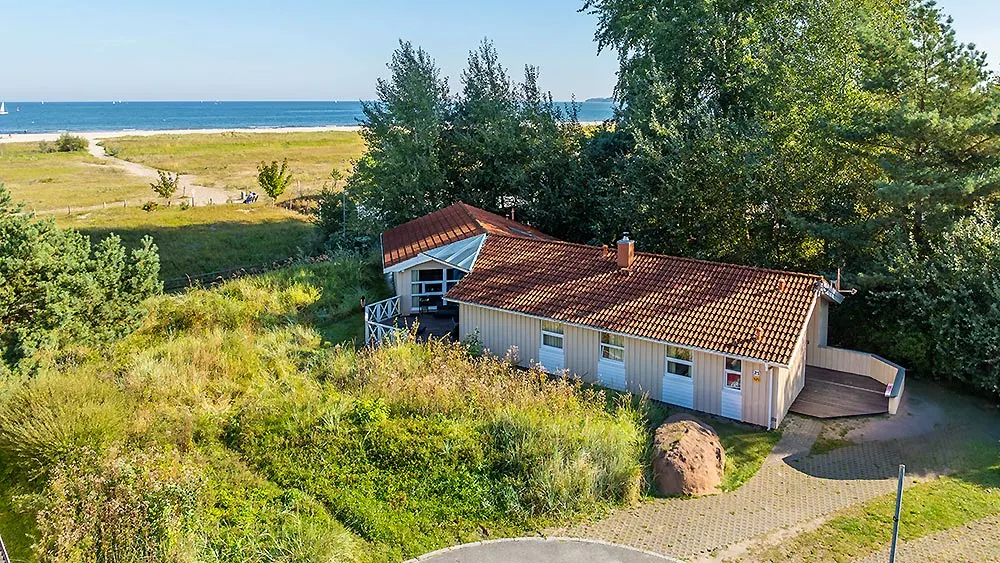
x: 770, y: 394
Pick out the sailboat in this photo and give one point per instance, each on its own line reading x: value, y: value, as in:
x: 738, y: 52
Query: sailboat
x: 3, y: 110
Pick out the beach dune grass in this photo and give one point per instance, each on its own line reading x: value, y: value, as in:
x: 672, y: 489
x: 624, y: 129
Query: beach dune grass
x: 229, y: 160
x: 228, y: 428
x: 200, y: 240
x: 57, y: 180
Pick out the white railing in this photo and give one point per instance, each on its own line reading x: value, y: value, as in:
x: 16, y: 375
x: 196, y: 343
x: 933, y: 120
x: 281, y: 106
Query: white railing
x: 376, y: 315
x: 383, y: 310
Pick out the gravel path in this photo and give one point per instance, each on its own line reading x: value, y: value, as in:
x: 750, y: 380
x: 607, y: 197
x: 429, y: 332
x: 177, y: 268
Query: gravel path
x: 200, y: 195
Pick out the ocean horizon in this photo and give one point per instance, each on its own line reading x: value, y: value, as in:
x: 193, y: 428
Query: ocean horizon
x: 87, y: 117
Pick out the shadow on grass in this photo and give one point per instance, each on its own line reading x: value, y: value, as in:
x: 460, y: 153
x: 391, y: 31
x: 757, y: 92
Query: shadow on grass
x: 190, y: 250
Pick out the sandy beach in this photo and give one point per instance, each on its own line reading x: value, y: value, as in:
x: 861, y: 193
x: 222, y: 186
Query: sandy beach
x: 100, y: 135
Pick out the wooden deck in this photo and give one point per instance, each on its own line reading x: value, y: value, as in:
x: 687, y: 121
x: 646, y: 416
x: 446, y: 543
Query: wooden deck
x: 832, y: 394
x: 428, y: 325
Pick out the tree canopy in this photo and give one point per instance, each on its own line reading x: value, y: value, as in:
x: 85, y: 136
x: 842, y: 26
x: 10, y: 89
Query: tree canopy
x: 798, y: 134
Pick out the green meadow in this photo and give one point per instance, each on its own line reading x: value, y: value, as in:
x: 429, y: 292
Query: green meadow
x: 199, y: 240
x: 57, y: 180
x: 229, y: 160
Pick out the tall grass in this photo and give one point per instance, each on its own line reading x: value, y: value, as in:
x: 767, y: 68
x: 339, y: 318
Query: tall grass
x: 417, y: 446
x: 229, y: 427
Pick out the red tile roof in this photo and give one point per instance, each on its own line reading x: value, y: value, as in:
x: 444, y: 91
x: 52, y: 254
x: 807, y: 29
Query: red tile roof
x: 445, y: 226
x: 708, y: 305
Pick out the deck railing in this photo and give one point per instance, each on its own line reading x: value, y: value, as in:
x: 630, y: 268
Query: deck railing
x: 880, y: 369
x: 4, y: 558
x: 378, y: 317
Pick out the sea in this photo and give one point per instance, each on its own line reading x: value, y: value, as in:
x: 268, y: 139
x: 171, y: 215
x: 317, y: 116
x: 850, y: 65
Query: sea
x: 81, y: 117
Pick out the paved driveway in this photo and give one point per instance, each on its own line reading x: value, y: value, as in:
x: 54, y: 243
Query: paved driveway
x: 541, y: 550
x: 791, y: 489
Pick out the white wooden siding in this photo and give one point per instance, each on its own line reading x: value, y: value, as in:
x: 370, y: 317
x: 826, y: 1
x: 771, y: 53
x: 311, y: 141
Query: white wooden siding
x: 641, y: 373
x: 732, y: 404
x: 552, y: 359
x: 500, y: 331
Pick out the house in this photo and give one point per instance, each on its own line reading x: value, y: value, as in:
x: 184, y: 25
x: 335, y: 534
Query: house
x: 426, y: 257
x: 741, y: 342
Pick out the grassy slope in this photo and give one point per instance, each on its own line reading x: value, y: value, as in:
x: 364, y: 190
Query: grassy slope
x: 232, y: 402
x: 229, y: 160
x: 203, y: 239
x: 57, y: 180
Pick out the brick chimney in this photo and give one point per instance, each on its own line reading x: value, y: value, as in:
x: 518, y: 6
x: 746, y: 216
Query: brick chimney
x: 626, y: 252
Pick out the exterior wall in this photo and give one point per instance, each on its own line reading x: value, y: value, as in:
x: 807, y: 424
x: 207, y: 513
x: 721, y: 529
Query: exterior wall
x: 816, y: 333
x: 500, y: 331
x: 403, y: 284
x: 755, y: 394
x: 644, y: 365
x: 403, y: 291
x: 582, y: 347
x: 709, y: 380
x: 645, y: 362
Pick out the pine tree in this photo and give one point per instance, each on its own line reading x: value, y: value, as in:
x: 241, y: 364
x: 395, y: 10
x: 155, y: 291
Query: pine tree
x: 400, y: 176
x: 936, y: 134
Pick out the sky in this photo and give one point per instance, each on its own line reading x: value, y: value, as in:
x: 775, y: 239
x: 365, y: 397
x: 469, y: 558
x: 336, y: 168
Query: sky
x: 310, y: 49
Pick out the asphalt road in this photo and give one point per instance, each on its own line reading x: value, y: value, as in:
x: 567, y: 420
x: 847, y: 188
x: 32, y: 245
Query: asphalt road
x: 542, y: 550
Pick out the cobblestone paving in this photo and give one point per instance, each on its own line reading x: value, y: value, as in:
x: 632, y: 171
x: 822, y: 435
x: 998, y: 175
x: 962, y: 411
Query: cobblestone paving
x: 791, y: 488
x: 976, y: 542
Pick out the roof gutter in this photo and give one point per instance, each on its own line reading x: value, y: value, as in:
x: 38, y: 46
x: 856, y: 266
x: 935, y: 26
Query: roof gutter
x: 637, y: 337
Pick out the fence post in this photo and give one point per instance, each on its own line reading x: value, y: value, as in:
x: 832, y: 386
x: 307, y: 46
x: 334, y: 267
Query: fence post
x: 895, y: 519
x: 364, y: 307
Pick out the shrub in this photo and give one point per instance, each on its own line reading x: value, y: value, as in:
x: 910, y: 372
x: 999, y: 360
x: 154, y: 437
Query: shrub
x: 51, y: 419
x: 150, y: 206
x: 58, y: 288
x: 410, y: 443
x: 71, y: 143
x: 167, y: 184
x: 111, y: 150
x: 138, y: 507
x: 274, y: 178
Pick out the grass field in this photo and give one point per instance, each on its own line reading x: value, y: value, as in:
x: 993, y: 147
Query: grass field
x: 46, y: 181
x: 229, y: 428
x: 229, y: 160
x: 199, y: 240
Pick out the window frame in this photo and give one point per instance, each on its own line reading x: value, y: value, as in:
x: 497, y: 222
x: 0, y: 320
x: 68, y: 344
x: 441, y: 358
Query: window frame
x: 554, y: 330
x: 674, y: 359
x: 727, y: 371
x: 418, y: 287
x: 610, y: 346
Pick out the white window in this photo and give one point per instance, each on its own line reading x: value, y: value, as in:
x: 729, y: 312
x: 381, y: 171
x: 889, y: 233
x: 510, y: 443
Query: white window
x: 428, y: 286
x: 612, y: 347
x: 734, y: 373
x: 679, y: 361
x: 552, y: 334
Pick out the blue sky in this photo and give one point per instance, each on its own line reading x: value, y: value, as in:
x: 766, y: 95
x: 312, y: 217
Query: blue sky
x: 308, y: 49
